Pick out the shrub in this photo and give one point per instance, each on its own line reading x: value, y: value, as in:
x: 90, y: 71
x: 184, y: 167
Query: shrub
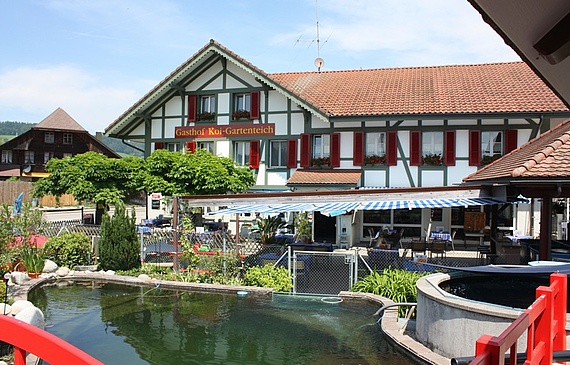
x: 119, y: 248
x: 269, y: 276
x: 69, y: 249
x: 396, y: 285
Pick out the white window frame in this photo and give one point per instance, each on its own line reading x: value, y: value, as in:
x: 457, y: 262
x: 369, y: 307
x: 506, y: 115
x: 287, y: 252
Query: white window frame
x: 49, y: 137
x: 7, y: 156
x: 491, y: 143
x: 207, y: 103
x: 321, y: 145
x: 242, y: 101
x: 29, y: 157
x: 48, y: 156
x: 279, y: 148
x: 206, y: 145
x: 173, y: 147
x: 67, y: 138
x: 241, y: 152
x: 375, y: 144
x: 432, y: 143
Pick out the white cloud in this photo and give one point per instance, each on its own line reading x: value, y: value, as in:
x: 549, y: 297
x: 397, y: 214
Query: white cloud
x: 39, y: 91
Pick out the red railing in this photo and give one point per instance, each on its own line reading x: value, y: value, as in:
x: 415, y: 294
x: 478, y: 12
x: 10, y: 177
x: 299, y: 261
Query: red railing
x: 29, y: 339
x: 544, y: 323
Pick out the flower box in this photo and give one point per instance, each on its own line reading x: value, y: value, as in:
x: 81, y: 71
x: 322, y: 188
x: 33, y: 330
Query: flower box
x: 240, y: 114
x: 206, y: 117
x: 432, y: 159
x: 375, y: 160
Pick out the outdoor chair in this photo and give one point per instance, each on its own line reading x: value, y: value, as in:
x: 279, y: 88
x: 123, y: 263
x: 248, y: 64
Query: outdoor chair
x: 418, y: 247
x: 437, y: 247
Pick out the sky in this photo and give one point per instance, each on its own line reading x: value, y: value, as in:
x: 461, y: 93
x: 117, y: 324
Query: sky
x: 95, y: 59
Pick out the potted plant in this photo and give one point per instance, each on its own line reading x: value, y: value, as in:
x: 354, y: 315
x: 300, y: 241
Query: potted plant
x: 206, y: 116
x: 33, y: 260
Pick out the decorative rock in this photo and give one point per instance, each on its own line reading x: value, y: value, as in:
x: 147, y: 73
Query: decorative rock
x: 49, y: 266
x: 3, y: 363
x: 109, y: 272
x: 33, y: 316
x: 144, y: 277
x: 5, y: 308
x: 63, y: 271
x: 19, y: 277
x: 20, y: 305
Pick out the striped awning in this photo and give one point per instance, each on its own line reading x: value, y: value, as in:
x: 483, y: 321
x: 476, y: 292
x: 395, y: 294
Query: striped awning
x: 338, y: 208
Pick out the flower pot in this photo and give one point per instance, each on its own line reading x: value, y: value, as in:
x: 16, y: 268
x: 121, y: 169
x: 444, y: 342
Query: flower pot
x: 33, y: 275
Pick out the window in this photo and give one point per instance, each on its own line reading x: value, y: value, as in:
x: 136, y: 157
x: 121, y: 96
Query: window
x: 29, y: 157
x: 67, y: 138
x: 207, y: 108
x: 432, y: 143
x: 49, y: 137
x: 6, y: 156
x: 278, y: 154
x: 208, y: 146
x: 242, y: 102
x: 321, y: 145
x: 491, y: 143
x: 375, y: 144
x: 47, y: 156
x: 172, y: 147
x: 207, y: 103
x: 241, y: 153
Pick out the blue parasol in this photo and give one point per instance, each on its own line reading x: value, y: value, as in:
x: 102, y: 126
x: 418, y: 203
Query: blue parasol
x: 18, y: 204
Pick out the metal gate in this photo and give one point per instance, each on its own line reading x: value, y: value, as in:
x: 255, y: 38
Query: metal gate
x: 316, y: 272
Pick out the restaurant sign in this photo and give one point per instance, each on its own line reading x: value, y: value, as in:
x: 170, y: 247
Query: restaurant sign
x: 220, y: 131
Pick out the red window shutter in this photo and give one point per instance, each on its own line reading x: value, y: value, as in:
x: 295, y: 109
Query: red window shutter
x: 158, y: 146
x: 358, y: 149
x: 190, y: 146
x: 391, y: 148
x: 192, y: 107
x: 415, y: 148
x: 292, y: 153
x: 335, y: 149
x: 474, y: 148
x: 449, y: 148
x: 254, y: 112
x: 305, y: 150
x: 254, y: 154
x: 510, y: 140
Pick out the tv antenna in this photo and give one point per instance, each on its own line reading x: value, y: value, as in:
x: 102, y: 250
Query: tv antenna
x: 319, y: 62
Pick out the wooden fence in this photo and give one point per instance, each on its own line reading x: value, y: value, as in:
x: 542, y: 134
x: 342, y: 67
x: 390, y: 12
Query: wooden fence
x: 9, y: 191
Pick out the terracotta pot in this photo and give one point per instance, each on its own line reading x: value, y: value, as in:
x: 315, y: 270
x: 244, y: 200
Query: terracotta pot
x: 33, y: 275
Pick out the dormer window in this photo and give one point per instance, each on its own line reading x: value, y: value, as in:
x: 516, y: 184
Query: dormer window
x: 49, y: 137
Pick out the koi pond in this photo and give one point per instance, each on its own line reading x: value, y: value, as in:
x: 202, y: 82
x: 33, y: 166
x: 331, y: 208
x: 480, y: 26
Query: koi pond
x: 121, y: 324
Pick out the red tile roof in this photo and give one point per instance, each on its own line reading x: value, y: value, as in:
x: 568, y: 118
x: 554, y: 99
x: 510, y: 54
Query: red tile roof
x: 60, y: 120
x: 486, y: 88
x: 546, y: 156
x: 325, y: 177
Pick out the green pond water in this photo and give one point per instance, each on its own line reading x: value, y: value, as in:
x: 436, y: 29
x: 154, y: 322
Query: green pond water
x: 140, y: 325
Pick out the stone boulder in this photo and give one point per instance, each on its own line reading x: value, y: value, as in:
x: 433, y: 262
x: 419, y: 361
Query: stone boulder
x: 19, y: 278
x: 49, y: 267
x: 33, y: 316
x: 20, y: 305
x: 63, y: 271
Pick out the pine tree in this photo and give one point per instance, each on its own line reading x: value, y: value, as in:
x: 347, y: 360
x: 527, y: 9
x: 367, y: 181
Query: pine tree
x: 119, y: 247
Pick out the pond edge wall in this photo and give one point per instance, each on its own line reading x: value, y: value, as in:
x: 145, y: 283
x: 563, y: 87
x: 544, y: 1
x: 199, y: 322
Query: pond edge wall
x: 450, y: 325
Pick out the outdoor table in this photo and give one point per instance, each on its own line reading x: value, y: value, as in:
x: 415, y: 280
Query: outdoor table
x: 444, y: 236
